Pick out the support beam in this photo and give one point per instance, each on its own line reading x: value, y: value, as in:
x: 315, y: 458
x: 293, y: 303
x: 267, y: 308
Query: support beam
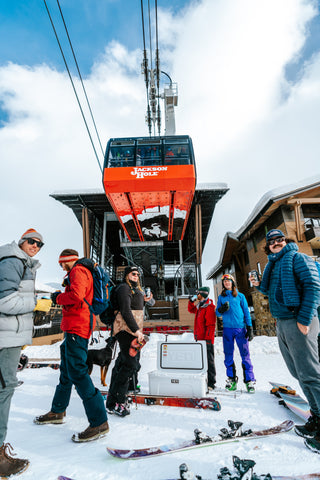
x: 86, y: 233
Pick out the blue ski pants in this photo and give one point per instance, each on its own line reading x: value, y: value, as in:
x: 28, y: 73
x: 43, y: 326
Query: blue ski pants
x: 74, y: 371
x: 230, y: 335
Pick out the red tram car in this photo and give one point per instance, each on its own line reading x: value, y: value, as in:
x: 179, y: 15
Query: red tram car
x: 150, y: 183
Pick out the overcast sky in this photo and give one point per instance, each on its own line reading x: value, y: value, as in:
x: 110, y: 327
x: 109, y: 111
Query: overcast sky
x: 248, y: 73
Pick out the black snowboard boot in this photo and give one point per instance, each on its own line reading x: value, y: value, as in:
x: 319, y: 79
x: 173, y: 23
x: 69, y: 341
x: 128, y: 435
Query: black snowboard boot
x: 313, y: 443
x: 309, y: 429
x: 8, y: 464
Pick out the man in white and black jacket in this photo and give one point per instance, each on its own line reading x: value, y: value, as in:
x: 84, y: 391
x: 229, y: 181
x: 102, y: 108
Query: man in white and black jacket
x: 17, y: 302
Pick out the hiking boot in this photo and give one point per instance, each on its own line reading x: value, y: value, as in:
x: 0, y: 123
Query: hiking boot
x: 91, y: 433
x: 121, y: 409
x: 231, y: 384
x: 50, y: 417
x: 250, y: 386
x: 309, y: 429
x: 313, y: 443
x: 8, y: 465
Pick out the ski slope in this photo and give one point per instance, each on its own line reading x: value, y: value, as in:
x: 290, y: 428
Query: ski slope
x: 52, y: 453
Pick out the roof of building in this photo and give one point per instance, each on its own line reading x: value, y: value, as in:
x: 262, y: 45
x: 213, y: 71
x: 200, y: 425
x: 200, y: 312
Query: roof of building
x: 267, y: 204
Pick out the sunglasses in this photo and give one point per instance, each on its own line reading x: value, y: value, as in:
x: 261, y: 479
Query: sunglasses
x: 136, y: 274
x: 32, y: 241
x: 276, y: 240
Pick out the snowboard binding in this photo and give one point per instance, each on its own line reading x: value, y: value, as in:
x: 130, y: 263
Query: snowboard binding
x: 243, y: 470
x: 185, y: 473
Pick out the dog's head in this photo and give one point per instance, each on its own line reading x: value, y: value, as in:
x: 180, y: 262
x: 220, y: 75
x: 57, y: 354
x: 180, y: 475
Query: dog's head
x: 111, y: 341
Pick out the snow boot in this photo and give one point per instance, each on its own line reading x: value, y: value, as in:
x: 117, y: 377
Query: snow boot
x: 309, y: 429
x: 91, y: 433
x: 121, y: 409
x: 231, y: 384
x: 313, y: 443
x: 50, y: 417
x: 8, y: 465
x: 250, y: 386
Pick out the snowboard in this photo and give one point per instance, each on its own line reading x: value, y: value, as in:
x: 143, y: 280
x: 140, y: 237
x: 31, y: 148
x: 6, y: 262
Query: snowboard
x: 204, y: 403
x: 234, y: 434
x: 55, y: 366
x: 293, y: 402
x: 170, y: 401
x: 308, y: 476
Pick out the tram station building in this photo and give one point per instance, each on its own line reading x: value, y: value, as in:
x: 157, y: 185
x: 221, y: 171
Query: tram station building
x: 171, y: 268
x: 295, y: 210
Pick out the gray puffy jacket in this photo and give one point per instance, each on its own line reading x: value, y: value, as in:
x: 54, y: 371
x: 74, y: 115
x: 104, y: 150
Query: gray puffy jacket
x: 17, y: 295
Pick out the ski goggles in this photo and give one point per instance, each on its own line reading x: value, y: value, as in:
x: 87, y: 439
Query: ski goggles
x: 227, y: 276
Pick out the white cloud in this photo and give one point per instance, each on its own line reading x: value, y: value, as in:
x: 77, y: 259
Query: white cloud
x: 250, y: 127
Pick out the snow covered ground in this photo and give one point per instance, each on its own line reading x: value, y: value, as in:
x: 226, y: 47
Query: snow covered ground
x: 51, y: 451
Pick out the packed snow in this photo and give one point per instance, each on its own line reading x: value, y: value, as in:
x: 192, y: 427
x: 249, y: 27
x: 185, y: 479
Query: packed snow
x: 52, y: 453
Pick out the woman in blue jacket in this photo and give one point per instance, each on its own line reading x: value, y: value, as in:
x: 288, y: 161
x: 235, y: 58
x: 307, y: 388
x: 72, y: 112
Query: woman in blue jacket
x: 291, y: 281
x: 237, y: 326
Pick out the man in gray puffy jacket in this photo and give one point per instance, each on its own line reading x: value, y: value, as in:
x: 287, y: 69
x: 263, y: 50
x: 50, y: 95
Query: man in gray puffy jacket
x: 17, y: 302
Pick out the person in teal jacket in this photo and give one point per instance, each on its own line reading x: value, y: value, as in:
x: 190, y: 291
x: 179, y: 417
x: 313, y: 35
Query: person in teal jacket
x: 291, y: 281
x: 237, y: 327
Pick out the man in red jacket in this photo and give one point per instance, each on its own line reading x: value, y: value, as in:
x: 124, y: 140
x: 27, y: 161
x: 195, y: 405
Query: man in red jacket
x: 204, y: 327
x: 74, y: 349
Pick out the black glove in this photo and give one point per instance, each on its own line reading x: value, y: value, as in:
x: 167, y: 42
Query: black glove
x: 54, y: 297
x: 249, y: 334
x: 224, y: 307
x: 193, y: 298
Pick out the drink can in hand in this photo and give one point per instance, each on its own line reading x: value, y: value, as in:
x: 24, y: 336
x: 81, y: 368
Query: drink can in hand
x: 148, y: 292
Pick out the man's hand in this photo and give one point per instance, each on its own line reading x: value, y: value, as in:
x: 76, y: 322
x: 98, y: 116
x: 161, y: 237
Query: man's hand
x: 249, y: 334
x: 304, y: 329
x: 253, y: 281
x: 224, y: 307
x: 54, y: 297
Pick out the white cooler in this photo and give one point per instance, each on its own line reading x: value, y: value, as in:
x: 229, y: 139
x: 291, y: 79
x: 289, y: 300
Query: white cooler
x: 181, y: 370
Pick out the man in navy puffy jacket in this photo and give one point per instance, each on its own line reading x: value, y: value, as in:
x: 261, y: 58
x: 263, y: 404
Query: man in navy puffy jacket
x: 291, y: 281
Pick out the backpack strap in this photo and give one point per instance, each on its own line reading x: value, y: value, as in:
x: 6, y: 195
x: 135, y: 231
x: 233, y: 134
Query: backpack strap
x: 23, y: 262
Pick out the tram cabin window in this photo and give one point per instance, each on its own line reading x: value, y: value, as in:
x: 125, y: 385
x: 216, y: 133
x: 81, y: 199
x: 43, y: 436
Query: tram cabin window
x: 121, y: 156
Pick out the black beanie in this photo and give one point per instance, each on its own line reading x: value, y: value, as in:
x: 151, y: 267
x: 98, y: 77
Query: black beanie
x: 130, y: 269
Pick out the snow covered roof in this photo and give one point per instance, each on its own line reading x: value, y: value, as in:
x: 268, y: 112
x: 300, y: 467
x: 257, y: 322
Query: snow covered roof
x: 278, y: 194
x: 268, y: 198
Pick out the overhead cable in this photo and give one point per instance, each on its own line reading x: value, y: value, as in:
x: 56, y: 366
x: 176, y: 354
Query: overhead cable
x: 83, y: 87
x: 73, y: 86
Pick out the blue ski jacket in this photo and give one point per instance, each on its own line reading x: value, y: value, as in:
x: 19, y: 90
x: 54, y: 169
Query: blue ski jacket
x: 238, y: 315
x: 291, y: 281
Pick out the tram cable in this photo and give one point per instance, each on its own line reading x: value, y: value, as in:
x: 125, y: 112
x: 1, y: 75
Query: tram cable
x: 80, y: 76
x: 158, y: 70
x: 145, y: 71
x: 72, y: 83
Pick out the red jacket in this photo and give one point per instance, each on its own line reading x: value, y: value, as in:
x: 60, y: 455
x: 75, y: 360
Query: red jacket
x: 75, y: 311
x: 204, y: 321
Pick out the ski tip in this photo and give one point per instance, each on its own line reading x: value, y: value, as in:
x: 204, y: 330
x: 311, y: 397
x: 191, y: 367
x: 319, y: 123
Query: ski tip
x: 64, y: 478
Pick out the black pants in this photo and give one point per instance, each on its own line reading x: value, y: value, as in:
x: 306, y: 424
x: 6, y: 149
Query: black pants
x: 124, y: 367
x: 211, y: 365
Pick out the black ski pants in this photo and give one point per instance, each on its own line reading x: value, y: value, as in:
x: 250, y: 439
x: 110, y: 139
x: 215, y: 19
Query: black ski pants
x: 124, y: 367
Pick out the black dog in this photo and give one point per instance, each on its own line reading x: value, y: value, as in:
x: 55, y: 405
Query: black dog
x: 101, y: 357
